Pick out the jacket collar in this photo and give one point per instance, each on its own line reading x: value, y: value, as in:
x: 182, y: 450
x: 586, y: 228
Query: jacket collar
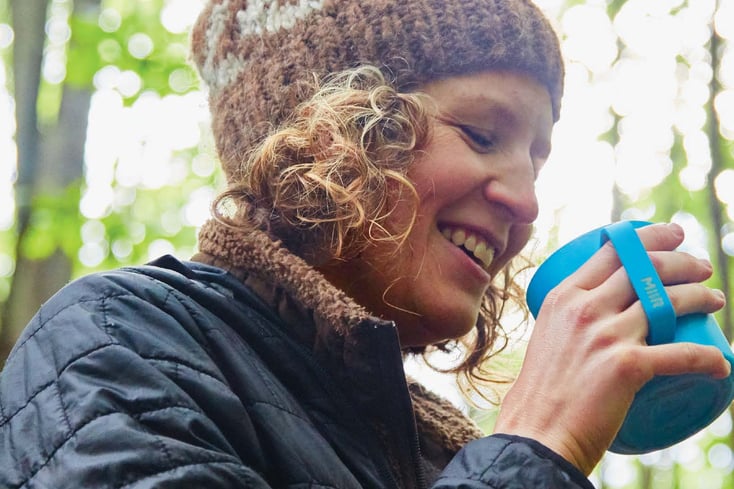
x: 252, y: 255
x: 360, y: 349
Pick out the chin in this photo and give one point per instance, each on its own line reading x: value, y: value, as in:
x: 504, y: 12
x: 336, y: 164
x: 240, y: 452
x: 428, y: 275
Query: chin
x: 437, y: 332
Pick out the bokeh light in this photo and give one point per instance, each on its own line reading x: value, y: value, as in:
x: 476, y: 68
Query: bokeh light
x: 635, y: 88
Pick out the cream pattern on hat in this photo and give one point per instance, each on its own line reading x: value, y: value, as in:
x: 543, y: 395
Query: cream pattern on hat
x: 222, y: 72
x: 257, y: 18
x: 273, y: 15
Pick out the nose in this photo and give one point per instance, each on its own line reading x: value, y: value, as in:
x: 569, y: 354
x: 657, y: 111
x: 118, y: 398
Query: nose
x: 514, y: 191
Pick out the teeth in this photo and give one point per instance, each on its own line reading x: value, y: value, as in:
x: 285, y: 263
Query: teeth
x: 472, y: 243
x: 458, y: 237
x: 486, y: 255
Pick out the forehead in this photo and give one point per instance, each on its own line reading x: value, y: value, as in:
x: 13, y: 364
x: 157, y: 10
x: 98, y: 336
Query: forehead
x: 506, y: 96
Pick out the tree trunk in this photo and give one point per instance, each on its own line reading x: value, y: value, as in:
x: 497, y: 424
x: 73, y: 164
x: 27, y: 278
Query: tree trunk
x: 48, y: 162
x: 722, y: 262
x: 29, y: 18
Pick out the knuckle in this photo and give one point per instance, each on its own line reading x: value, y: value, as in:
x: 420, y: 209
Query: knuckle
x: 691, y: 354
x: 574, y: 306
x: 610, y: 255
x: 629, y: 364
x: 583, y: 313
x: 658, y: 263
x: 604, y: 338
x: 674, y: 297
x: 700, y: 358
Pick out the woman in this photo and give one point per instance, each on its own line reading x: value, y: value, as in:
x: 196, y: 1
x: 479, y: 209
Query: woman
x: 381, y: 160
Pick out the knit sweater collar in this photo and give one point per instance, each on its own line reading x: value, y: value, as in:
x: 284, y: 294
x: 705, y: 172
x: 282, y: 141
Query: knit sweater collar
x: 326, y: 318
x: 254, y: 254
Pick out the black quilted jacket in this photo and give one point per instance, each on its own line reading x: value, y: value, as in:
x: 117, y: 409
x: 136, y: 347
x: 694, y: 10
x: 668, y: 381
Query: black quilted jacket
x: 176, y: 375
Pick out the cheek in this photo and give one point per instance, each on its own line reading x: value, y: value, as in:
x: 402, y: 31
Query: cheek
x: 435, y: 167
x: 401, y: 210
x: 519, y: 237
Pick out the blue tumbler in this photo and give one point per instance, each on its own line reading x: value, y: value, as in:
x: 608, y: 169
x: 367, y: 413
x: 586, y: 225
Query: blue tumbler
x: 668, y: 409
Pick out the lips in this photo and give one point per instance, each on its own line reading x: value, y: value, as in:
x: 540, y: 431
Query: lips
x: 472, y: 244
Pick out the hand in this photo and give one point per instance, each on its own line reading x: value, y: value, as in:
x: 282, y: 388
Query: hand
x: 587, y: 355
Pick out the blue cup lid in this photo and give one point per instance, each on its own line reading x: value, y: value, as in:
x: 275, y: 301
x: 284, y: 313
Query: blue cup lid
x: 668, y: 409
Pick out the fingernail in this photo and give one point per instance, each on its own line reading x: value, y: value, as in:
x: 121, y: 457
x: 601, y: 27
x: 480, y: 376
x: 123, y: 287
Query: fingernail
x: 676, y: 229
x: 719, y: 293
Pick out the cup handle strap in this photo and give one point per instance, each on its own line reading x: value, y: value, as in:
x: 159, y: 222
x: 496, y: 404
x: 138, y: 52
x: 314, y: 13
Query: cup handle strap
x: 645, y: 281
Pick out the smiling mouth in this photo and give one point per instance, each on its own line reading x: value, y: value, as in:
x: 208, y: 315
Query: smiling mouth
x: 473, y: 245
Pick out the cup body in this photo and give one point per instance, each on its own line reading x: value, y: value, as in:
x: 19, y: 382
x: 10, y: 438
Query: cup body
x: 668, y: 409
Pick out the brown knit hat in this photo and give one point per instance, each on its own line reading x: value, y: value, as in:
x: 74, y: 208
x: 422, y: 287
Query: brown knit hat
x: 252, y: 53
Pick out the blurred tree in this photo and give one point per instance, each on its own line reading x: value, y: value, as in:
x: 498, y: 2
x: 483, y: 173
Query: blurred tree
x: 722, y: 158
x: 672, y: 200
x: 127, y: 38
x: 50, y: 160
x: 64, y: 53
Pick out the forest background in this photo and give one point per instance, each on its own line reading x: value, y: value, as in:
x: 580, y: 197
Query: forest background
x: 106, y: 158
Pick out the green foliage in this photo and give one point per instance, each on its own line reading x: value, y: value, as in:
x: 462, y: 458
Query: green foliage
x: 129, y: 36
x: 54, y: 224
x: 614, y: 6
x: 128, y: 231
x: 7, y: 243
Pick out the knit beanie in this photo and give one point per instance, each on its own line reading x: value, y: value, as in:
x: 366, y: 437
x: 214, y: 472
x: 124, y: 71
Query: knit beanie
x: 252, y: 53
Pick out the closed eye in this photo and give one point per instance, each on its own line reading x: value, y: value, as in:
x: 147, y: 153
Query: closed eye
x: 479, y: 141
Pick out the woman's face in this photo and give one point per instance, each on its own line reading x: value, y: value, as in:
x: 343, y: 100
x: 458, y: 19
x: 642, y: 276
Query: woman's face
x: 476, y: 183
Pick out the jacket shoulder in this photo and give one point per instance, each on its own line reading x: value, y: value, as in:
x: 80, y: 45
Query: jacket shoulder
x: 94, y: 312
x: 109, y: 360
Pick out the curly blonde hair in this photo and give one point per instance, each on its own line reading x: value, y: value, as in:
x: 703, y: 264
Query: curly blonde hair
x: 327, y: 180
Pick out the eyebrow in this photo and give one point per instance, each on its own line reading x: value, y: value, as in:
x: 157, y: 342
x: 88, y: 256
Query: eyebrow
x: 508, y: 112
x: 495, y: 110
x: 487, y: 108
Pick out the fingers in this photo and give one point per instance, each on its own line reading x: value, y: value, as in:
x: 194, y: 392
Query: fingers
x: 692, y: 298
x: 635, y: 365
x: 685, y: 358
x: 686, y: 299
x: 673, y: 268
x: 606, y: 278
x: 588, y: 346
x: 601, y: 266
